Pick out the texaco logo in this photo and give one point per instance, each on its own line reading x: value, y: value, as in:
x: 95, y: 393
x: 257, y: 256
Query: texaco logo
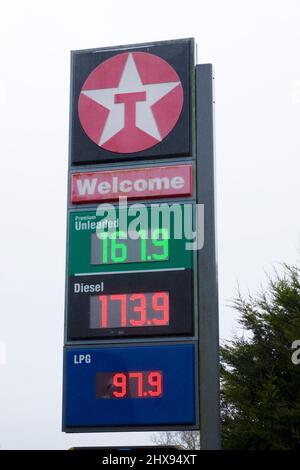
x: 130, y: 102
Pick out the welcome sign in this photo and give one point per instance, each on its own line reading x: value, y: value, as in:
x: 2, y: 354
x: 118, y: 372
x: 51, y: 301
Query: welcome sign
x: 137, y: 183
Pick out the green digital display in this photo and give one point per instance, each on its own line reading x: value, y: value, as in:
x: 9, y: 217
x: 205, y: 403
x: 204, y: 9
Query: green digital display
x: 121, y: 247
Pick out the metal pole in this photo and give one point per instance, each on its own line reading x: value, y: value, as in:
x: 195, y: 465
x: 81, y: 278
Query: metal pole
x: 207, y: 269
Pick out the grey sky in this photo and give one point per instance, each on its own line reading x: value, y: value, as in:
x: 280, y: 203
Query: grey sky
x: 254, y: 47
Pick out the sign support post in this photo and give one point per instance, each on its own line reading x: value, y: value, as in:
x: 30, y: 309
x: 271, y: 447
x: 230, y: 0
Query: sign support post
x: 207, y: 268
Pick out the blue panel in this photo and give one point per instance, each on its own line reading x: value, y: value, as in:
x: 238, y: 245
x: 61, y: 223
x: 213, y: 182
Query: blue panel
x: 176, y: 406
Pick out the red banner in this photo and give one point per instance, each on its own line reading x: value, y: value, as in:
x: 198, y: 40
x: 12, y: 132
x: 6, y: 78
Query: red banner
x: 134, y: 183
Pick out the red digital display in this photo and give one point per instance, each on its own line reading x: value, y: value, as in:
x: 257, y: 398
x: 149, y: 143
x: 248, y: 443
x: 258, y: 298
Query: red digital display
x: 129, y: 310
x: 135, y: 384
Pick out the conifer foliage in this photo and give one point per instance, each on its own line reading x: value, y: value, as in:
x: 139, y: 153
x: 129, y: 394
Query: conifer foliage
x: 260, y: 383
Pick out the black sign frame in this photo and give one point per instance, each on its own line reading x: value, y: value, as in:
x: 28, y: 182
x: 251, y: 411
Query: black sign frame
x: 179, y: 284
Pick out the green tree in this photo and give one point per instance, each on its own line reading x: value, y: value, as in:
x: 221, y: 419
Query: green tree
x: 260, y: 383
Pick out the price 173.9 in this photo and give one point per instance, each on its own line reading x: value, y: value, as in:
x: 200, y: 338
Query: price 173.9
x: 130, y: 310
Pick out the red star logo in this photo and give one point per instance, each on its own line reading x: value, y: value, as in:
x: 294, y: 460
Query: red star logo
x: 130, y: 102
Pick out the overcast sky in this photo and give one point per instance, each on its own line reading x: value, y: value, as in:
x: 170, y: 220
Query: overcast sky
x: 254, y: 47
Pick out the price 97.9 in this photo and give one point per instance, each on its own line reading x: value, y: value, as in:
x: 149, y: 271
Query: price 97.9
x: 133, y: 384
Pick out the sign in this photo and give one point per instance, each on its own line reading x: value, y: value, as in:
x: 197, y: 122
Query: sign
x: 131, y: 102
x: 127, y: 247
x: 129, y: 386
x: 130, y: 305
x: 131, y: 351
x: 135, y: 183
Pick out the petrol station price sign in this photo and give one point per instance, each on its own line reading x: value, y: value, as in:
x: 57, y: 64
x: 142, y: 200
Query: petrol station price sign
x: 102, y: 244
x: 130, y: 305
x: 131, y: 333
x: 122, y: 385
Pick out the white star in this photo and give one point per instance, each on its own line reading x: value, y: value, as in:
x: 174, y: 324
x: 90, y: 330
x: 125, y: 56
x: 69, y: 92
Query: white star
x: 130, y: 82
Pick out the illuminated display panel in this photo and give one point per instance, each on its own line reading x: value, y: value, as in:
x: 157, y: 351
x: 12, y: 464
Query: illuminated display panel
x: 136, y: 384
x: 132, y: 384
x: 129, y: 310
x: 118, y: 247
x: 121, y: 305
x: 106, y: 244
